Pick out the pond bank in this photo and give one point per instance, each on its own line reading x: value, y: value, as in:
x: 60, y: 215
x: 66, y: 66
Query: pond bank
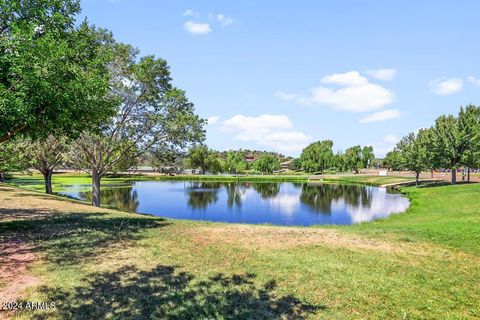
x: 406, y: 265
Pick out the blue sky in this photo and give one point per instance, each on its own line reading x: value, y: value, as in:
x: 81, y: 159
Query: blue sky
x: 277, y: 75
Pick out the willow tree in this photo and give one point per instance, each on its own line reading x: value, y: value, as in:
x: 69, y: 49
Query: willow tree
x: 53, y: 75
x: 317, y: 156
x: 150, y: 113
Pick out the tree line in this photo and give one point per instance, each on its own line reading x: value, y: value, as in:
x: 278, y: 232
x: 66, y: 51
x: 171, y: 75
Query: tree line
x: 452, y: 142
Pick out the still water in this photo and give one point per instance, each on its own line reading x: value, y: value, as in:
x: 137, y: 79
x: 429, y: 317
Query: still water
x: 283, y: 203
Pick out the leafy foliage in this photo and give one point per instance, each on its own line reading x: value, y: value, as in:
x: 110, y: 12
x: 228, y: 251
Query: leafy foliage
x: 266, y: 164
x: 53, y: 73
x: 317, y: 156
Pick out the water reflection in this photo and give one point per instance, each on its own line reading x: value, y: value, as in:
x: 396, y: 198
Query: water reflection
x: 321, y: 197
x: 277, y: 203
x: 201, y: 194
x: 267, y: 190
x: 123, y: 198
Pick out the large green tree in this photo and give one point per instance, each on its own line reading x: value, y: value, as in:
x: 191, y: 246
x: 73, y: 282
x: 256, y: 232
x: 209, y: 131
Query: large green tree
x: 415, y: 154
x: 393, y: 160
x: 367, y: 156
x: 267, y: 163
x: 53, y: 71
x: 449, y: 144
x: 469, y: 123
x: 353, y: 158
x: 235, y: 162
x: 151, y: 113
x: 317, y: 156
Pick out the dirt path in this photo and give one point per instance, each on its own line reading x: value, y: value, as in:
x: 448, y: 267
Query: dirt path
x: 15, y: 277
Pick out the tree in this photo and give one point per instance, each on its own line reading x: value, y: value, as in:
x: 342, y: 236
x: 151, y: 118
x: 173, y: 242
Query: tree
x: 448, y: 144
x: 353, y: 158
x: 317, y: 156
x: 267, y: 163
x: 13, y: 157
x: 197, y: 157
x: 415, y: 153
x: 53, y: 71
x: 235, y: 162
x: 367, y: 156
x: 45, y: 155
x: 151, y: 113
x: 393, y: 160
x: 213, y: 163
x: 469, y: 122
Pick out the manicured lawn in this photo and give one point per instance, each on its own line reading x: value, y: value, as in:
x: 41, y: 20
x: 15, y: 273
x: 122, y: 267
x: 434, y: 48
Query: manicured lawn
x: 371, y: 180
x: 98, y: 263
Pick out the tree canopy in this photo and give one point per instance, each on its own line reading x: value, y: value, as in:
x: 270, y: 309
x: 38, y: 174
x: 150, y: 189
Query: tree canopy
x: 53, y: 72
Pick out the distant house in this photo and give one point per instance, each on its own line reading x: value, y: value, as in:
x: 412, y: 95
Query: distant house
x: 142, y: 169
x: 286, y: 165
x: 192, y: 171
x: 250, y: 158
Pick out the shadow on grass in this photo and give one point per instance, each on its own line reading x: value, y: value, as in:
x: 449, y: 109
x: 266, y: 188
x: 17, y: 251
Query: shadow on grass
x: 164, y: 293
x: 70, y: 238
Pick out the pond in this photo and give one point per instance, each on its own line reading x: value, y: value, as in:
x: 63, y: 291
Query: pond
x: 282, y: 203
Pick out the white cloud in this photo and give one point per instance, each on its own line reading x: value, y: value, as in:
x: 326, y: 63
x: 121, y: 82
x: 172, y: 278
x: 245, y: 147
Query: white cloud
x: 381, y: 116
x: 224, y: 20
x: 287, y: 96
x: 197, y: 27
x: 213, y: 120
x: 191, y: 13
x: 273, y: 131
x: 382, y: 74
x: 443, y: 86
x: 474, y: 80
x: 385, y: 145
x: 351, y: 78
x: 356, y: 93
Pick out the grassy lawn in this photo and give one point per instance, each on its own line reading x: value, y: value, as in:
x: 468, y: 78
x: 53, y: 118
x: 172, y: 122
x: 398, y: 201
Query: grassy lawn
x: 371, y: 180
x: 98, y: 263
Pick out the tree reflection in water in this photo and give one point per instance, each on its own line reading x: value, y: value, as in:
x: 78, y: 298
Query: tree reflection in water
x: 235, y: 191
x: 267, y: 190
x: 202, y: 194
x: 122, y: 198
x: 321, y: 197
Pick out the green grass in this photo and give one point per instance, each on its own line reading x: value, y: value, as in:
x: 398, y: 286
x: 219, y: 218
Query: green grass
x: 95, y: 264
x: 369, y: 180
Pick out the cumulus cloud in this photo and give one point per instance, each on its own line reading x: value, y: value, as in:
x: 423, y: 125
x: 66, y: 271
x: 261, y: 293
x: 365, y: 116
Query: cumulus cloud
x: 382, y: 74
x: 197, y: 27
x: 272, y: 131
x: 349, y: 91
x: 443, y: 86
x: 381, y: 116
x: 224, y: 20
x: 474, y: 80
x: 213, y: 120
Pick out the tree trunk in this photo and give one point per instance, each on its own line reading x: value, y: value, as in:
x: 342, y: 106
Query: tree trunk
x: 468, y: 174
x: 454, y: 176
x: 417, y: 176
x: 96, y: 189
x: 2, y: 177
x: 47, y: 177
